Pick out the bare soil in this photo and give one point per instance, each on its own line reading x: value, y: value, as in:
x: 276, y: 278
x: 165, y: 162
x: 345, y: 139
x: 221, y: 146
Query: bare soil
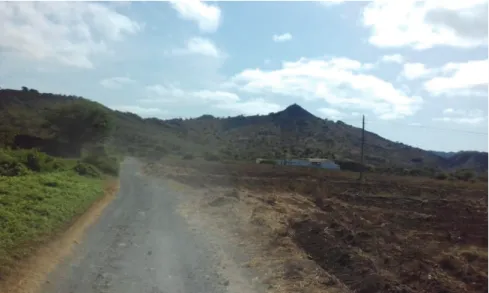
x: 311, y: 230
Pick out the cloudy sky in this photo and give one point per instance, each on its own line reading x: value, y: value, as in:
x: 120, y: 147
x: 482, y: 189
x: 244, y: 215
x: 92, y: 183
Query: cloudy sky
x: 416, y: 70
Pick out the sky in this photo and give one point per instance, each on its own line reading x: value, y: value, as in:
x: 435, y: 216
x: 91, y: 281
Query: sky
x: 416, y: 70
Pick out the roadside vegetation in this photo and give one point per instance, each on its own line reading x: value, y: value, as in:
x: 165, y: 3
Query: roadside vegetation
x: 45, y: 184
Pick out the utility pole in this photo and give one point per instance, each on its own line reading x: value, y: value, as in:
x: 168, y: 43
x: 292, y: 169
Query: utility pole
x: 363, y: 145
x: 283, y: 145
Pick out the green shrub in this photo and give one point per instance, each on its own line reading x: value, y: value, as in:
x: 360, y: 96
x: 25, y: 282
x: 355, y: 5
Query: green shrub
x: 188, y: 157
x: 269, y: 162
x: 441, y: 176
x: 37, y: 161
x: 482, y: 177
x: 211, y: 157
x: 106, y: 164
x: 88, y: 170
x: 9, y: 166
x: 464, y: 175
x: 349, y: 165
x: 34, y: 161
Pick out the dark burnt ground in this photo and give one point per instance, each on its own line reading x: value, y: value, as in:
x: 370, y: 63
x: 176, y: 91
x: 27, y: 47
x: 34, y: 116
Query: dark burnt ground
x: 389, y: 234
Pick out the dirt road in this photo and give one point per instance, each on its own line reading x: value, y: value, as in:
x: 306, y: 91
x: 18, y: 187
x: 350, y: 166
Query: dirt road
x: 140, y: 244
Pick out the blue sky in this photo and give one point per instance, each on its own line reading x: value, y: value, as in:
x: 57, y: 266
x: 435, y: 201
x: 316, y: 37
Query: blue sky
x: 416, y: 70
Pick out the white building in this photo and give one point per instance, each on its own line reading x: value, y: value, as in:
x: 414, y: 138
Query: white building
x: 311, y: 162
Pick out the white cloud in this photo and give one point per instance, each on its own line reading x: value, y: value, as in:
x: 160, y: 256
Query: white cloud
x: 120, y: 4
x: 329, y: 3
x: 251, y: 107
x: 116, y: 82
x: 161, y: 90
x: 282, y: 38
x: 68, y: 32
x: 341, y: 82
x: 395, y: 58
x: 208, y: 17
x: 425, y: 24
x: 461, y: 120
x: 158, y: 93
x: 199, y: 46
x: 462, y: 116
x: 170, y: 93
x: 415, y: 70
x: 331, y: 113
x: 214, y: 98
x: 467, y: 78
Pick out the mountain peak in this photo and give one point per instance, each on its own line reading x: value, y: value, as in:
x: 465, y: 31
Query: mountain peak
x: 296, y: 111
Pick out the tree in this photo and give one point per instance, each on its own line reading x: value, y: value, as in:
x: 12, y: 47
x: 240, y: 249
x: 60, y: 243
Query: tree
x: 464, y: 174
x: 79, y: 122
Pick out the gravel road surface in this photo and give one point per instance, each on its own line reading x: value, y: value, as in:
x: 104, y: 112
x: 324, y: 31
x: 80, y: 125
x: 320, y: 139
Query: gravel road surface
x: 140, y: 244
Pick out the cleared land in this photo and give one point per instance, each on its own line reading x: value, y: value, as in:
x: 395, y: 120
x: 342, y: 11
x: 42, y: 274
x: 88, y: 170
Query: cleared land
x: 310, y: 230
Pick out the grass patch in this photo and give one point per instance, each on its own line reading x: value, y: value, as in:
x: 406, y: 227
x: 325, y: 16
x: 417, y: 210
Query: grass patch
x: 36, y: 206
x: 107, y: 164
x: 40, y: 195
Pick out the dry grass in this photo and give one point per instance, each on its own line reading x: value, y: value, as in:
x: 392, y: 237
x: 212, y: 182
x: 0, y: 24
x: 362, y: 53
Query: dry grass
x: 320, y: 231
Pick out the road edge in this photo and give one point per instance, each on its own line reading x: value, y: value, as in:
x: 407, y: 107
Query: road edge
x: 32, y: 272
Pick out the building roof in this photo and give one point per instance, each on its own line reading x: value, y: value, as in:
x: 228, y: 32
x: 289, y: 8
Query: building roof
x: 319, y: 160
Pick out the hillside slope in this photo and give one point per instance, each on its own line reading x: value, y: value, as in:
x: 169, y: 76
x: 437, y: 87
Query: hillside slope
x: 300, y: 134
x: 293, y: 132
x: 22, y: 111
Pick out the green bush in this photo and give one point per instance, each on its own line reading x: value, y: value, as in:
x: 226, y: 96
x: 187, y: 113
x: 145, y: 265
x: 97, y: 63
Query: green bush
x: 464, y: 175
x: 37, y: 161
x: 188, y: 157
x: 270, y: 162
x: 349, y: 165
x: 9, y: 166
x: 482, y: 177
x: 211, y: 157
x: 88, y: 170
x: 104, y: 163
x: 34, y: 161
x: 441, y: 176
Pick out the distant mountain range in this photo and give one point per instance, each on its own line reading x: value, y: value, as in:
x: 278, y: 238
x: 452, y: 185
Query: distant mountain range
x: 292, y: 132
x: 301, y: 134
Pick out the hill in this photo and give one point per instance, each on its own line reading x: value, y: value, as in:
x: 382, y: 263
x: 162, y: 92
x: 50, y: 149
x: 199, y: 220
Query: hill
x: 297, y: 133
x: 293, y: 132
x: 466, y: 159
x: 22, y: 112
